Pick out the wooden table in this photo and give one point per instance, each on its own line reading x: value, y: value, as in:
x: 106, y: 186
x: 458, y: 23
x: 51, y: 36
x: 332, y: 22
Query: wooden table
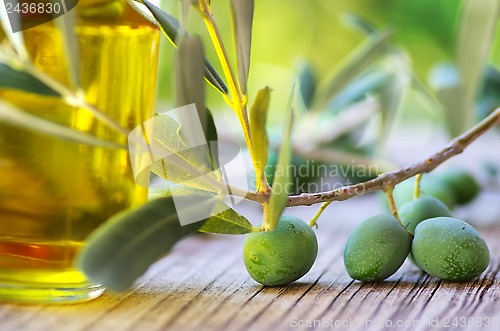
x: 203, y: 285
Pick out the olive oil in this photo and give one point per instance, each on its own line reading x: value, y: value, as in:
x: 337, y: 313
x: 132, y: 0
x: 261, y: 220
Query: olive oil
x: 53, y: 193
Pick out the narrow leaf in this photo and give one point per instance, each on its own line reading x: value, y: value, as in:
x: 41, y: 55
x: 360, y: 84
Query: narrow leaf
x: 189, y: 76
x: 360, y: 59
x: 226, y: 221
x: 445, y: 80
x: 20, y: 80
x: 66, y: 24
x: 368, y: 83
x: 393, y: 90
x: 307, y: 83
x: 359, y: 23
x: 123, y: 248
x: 11, y: 25
x: 478, y: 22
x: 426, y: 96
x: 282, y: 176
x: 453, y: 106
x: 171, y: 28
x: 223, y: 219
x: 190, y: 89
x: 212, y: 140
x: 489, y: 97
x: 16, y: 117
x: 316, y: 129
x: 158, y: 147
x: 258, y: 133
x: 242, y: 11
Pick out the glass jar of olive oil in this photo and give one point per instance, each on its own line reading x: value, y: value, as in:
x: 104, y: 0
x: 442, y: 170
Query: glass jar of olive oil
x: 53, y: 192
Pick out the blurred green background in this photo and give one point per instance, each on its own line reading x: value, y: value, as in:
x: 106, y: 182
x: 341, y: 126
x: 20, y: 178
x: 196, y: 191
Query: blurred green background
x: 286, y: 31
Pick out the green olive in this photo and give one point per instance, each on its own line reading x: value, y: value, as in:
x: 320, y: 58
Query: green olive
x: 281, y: 256
x: 420, y: 209
x: 449, y: 249
x: 462, y: 184
x: 376, y: 249
x: 430, y: 185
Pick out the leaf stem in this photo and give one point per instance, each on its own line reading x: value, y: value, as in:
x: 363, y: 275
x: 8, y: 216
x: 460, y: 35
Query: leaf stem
x: 394, y: 209
x: 320, y: 211
x: 416, y: 189
x: 392, y: 204
x: 238, y: 100
x: 208, y: 17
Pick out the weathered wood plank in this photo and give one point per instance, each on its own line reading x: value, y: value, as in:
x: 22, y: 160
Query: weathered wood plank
x: 203, y: 285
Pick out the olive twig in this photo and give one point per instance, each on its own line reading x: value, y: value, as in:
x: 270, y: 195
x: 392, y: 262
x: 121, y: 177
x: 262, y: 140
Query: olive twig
x: 320, y: 211
x: 388, y: 179
x: 335, y: 156
x: 238, y: 100
x: 392, y: 204
x: 416, y: 189
x: 382, y: 182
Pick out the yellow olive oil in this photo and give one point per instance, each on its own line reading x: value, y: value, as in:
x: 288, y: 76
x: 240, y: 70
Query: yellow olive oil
x: 53, y: 192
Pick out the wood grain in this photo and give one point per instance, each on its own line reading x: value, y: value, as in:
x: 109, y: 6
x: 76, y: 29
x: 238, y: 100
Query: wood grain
x: 203, y: 285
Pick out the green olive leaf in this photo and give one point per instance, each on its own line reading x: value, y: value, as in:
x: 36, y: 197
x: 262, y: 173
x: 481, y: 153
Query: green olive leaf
x: 307, y: 83
x: 282, y: 182
x: 212, y: 139
x: 258, y: 133
x: 316, y: 129
x: 360, y: 59
x: 189, y: 75
x: 20, y: 80
x: 66, y: 24
x: 242, y: 11
x: 226, y: 221
x: 359, y: 23
x: 190, y: 89
x: 368, y: 83
x: 223, y: 219
x: 426, y: 96
x: 445, y: 81
x: 452, y: 99
x: 16, y: 40
x: 392, y: 92
x: 170, y: 157
x: 478, y: 22
x: 171, y: 28
x: 14, y: 116
x: 122, y: 249
x: 350, y: 109
x: 489, y: 97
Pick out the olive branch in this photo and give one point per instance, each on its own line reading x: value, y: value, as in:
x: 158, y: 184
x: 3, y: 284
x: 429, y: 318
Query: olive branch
x: 387, y: 181
x: 114, y: 237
